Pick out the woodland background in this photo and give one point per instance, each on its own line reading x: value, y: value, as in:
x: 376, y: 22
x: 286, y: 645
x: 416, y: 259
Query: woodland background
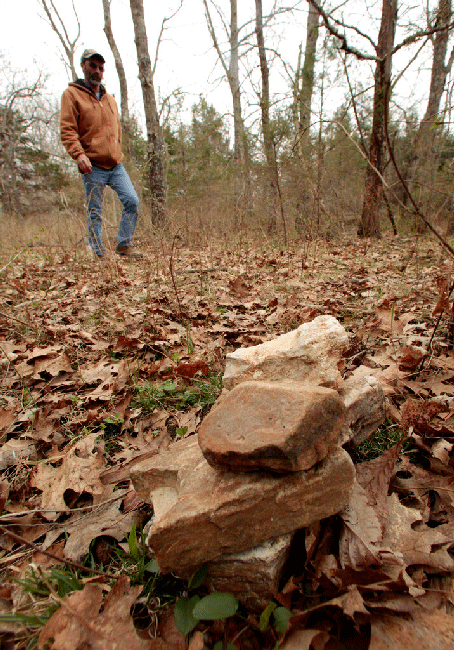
x: 289, y: 157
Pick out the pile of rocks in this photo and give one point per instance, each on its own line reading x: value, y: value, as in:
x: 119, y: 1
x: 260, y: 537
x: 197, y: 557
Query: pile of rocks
x: 267, y: 462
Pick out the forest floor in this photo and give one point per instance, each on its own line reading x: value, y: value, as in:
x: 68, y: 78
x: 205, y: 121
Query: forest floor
x: 104, y: 362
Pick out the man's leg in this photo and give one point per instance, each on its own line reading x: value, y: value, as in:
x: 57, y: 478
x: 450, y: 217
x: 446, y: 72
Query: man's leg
x: 94, y: 184
x: 121, y: 183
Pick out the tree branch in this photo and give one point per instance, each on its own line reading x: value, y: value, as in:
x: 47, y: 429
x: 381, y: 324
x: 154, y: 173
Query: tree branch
x: 346, y: 47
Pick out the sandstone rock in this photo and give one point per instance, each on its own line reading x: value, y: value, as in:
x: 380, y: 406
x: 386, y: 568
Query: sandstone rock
x: 309, y: 353
x: 366, y: 407
x: 252, y: 576
x: 216, y: 512
x: 280, y: 427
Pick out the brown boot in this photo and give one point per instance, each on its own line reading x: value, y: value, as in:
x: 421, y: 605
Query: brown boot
x: 129, y: 252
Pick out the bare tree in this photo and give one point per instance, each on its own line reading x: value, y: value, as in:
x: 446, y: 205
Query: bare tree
x: 57, y: 24
x: 268, y: 143
x: 155, y: 141
x: 384, y: 50
x: 373, y: 186
x: 303, y: 89
x: 305, y: 77
x: 425, y: 134
x: 124, y: 103
x: 231, y: 69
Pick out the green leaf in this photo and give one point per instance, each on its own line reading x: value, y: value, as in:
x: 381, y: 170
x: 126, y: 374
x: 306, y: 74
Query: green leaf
x: 183, y: 614
x: 198, y: 577
x: 282, y: 616
x: 152, y: 566
x: 215, y: 606
x: 132, y: 543
x: 220, y: 646
x: 265, y: 616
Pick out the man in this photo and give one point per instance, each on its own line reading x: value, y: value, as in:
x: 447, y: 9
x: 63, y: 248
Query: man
x: 91, y: 134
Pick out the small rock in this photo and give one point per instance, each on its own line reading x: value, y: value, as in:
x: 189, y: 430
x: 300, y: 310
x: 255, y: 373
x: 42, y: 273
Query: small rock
x: 213, y: 512
x: 279, y: 427
x: 366, y: 407
x: 310, y: 354
x: 251, y: 576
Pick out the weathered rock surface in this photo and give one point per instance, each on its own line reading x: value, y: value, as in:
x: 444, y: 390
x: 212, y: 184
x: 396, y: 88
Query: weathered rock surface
x: 252, y: 576
x: 309, y: 353
x: 366, y: 407
x: 280, y: 427
x: 205, y: 512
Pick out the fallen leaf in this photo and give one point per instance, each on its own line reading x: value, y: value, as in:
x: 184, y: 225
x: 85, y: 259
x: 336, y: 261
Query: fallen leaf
x: 104, y: 520
x: 80, y: 623
x: 305, y: 639
x: 424, y: 631
x: 78, y: 473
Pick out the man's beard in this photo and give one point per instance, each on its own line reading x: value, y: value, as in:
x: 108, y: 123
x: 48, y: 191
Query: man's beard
x: 94, y: 79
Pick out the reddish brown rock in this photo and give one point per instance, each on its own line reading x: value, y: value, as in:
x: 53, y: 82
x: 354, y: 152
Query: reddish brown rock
x: 204, y: 513
x: 272, y: 426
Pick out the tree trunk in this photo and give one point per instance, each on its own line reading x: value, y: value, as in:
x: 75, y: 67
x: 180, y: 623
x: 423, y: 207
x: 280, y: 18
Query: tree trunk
x: 242, y: 195
x: 425, y: 135
x: 124, y: 104
x: 154, y: 135
x: 268, y: 143
x: 306, y: 89
x: 373, y: 187
x: 234, y: 81
x: 9, y: 136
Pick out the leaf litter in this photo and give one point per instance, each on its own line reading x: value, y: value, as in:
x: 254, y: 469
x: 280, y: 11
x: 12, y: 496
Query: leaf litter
x: 102, y: 369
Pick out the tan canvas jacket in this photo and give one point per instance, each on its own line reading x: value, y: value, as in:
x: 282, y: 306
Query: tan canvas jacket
x: 90, y: 125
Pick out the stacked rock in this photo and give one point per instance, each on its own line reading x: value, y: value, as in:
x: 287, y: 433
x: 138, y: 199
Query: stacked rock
x: 267, y: 462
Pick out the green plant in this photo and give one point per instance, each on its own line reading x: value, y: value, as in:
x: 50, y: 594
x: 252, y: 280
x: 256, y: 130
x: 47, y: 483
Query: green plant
x: 280, y: 615
x: 36, y: 610
x: 386, y: 436
x: 169, y: 395
x: 111, y: 428
x: 190, y: 609
x: 138, y: 553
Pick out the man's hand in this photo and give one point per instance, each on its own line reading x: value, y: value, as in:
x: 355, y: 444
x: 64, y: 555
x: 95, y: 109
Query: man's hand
x: 84, y: 164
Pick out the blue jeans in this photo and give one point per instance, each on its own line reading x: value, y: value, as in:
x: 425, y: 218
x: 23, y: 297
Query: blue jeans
x: 117, y: 178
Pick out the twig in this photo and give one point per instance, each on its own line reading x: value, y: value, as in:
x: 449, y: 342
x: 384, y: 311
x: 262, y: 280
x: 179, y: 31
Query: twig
x: 435, y: 329
x: 40, y: 510
x: 76, y: 565
x: 18, y: 320
x: 173, y: 277
x: 12, y: 364
x: 416, y: 209
x: 11, y: 261
x: 427, y: 487
x: 281, y: 204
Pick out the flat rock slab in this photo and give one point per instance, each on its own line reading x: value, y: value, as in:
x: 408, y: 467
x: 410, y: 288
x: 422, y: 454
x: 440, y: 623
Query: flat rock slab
x: 203, y: 512
x: 310, y: 353
x: 251, y: 576
x: 279, y: 427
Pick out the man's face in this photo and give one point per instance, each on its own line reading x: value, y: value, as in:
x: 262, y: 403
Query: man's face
x: 93, y: 71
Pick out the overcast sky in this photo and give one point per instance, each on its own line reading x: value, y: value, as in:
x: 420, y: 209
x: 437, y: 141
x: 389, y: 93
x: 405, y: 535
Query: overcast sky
x: 186, y: 59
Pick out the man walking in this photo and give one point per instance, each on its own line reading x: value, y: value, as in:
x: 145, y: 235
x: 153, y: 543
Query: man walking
x: 91, y: 134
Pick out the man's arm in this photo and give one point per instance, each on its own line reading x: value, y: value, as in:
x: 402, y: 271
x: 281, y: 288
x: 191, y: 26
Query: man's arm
x: 69, y: 133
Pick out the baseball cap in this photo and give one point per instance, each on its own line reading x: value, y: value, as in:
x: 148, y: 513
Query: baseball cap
x: 91, y: 54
